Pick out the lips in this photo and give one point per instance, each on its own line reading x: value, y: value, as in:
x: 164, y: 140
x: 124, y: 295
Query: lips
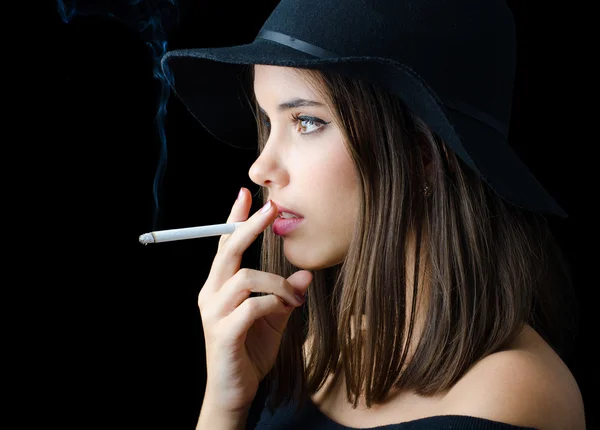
x: 287, y: 220
x: 283, y: 226
x: 282, y: 209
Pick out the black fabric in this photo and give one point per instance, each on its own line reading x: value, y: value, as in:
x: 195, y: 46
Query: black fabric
x: 453, y: 64
x: 311, y: 418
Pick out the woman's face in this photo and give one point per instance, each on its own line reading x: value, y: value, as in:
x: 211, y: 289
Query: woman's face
x: 306, y: 168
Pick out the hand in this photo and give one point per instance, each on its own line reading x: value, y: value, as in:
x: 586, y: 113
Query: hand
x: 242, y: 333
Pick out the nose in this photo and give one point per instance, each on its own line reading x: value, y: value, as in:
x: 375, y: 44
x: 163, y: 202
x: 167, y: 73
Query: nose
x: 268, y: 169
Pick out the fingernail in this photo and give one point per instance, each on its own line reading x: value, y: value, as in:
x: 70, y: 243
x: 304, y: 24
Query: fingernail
x: 300, y: 298
x: 240, y: 194
x: 266, y: 207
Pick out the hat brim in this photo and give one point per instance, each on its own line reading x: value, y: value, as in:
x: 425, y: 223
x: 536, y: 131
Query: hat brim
x: 205, y: 81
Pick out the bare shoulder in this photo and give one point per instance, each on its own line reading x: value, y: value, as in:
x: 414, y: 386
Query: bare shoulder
x: 527, y: 385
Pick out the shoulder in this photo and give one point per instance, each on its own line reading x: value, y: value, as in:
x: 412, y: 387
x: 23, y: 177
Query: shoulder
x: 527, y: 385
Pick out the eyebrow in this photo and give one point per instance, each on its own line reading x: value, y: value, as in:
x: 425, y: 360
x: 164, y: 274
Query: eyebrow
x: 294, y: 104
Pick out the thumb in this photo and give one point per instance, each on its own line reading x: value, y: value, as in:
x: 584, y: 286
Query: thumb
x: 300, y: 281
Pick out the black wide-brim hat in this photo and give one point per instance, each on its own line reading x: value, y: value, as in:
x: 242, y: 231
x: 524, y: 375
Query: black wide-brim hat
x: 453, y: 63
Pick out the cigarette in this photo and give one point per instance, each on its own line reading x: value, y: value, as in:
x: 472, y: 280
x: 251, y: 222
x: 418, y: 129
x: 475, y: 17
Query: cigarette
x: 188, y: 233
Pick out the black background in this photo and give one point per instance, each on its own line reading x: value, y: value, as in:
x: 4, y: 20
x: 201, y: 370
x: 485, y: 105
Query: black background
x: 128, y: 347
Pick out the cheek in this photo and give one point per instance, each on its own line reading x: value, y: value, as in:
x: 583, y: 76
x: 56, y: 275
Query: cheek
x: 330, y: 186
x: 328, y: 167
x: 334, y: 185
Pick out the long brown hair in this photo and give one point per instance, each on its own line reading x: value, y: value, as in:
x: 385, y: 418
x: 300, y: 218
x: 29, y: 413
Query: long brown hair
x: 489, y: 267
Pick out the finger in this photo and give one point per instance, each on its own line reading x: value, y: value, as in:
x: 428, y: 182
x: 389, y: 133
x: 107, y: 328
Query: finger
x: 255, y: 308
x: 228, y: 259
x: 240, y: 210
x: 246, y: 281
x: 300, y: 281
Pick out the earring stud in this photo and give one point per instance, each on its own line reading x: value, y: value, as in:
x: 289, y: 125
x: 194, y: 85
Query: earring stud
x: 427, y: 189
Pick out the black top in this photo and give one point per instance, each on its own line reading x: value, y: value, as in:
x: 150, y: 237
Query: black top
x: 311, y: 418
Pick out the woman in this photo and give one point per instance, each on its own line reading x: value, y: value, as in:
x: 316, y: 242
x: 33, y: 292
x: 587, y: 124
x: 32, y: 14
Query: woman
x: 396, y: 219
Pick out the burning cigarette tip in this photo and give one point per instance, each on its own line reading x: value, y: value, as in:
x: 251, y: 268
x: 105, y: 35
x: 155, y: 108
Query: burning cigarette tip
x: 146, y: 238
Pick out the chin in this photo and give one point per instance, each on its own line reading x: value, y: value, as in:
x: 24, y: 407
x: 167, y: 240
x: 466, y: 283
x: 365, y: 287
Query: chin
x: 310, y: 260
